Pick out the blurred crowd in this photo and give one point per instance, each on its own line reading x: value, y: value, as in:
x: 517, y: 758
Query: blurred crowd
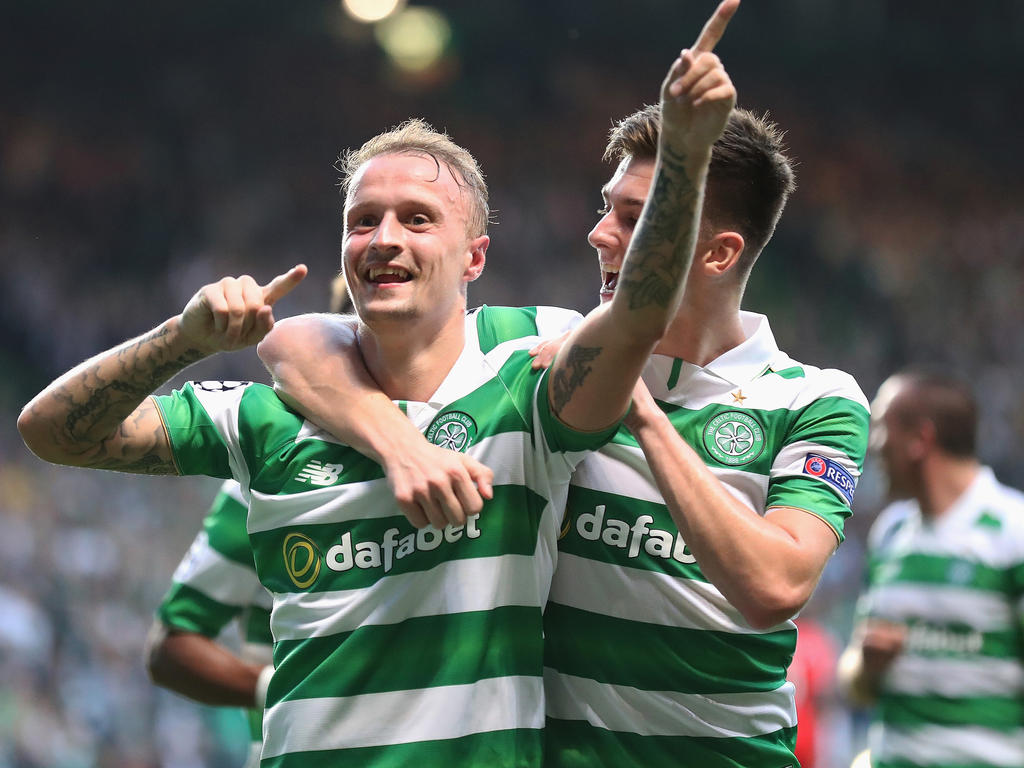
x: 138, y: 163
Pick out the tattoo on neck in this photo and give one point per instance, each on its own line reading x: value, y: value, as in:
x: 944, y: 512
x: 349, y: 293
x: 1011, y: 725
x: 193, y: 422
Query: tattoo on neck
x: 661, y: 250
x: 567, y: 380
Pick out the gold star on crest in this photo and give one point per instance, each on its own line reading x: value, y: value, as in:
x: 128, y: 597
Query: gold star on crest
x: 738, y: 396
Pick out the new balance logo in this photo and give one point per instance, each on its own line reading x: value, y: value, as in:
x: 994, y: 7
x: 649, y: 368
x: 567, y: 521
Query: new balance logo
x: 319, y: 473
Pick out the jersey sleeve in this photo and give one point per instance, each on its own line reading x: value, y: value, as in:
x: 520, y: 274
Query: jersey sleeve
x: 496, y: 325
x: 216, y: 580
x: 818, y: 467
x: 202, y: 422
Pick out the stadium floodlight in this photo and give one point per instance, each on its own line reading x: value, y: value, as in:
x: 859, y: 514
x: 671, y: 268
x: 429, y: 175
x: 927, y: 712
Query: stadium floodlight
x: 369, y: 11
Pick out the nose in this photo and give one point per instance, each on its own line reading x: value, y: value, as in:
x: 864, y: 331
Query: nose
x: 603, y: 236
x: 388, y: 235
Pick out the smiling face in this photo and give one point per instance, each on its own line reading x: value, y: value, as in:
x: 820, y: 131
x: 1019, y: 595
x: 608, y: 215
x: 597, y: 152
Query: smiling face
x: 407, y: 253
x: 624, y: 196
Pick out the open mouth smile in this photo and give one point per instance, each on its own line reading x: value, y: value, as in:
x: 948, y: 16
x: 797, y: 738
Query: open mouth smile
x: 609, y: 279
x: 387, y: 274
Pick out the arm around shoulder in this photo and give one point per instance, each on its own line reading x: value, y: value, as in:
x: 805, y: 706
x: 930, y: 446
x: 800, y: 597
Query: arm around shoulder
x: 319, y: 372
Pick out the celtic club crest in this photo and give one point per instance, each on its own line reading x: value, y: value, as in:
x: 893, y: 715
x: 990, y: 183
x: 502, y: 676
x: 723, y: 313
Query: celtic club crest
x: 453, y: 430
x: 734, y: 437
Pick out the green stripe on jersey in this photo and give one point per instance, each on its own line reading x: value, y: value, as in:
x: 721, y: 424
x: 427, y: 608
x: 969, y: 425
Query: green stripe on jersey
x: 998, y: 713
x: 496, y: 749
x: 577, y: 744
x: 225, y: 527
x: 612, y: 519
x: 832, y: 422
x: 496, y: 325
x: 926, y: 568
x: 257, y: 626
x: 189, y: 610
x: 466, y: 647
x: 727, y: 662
x: 356, y: 555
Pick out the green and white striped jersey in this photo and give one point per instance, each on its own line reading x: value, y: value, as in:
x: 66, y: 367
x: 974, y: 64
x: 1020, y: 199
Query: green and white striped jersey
x: 216, y: 583
x: 955, y: 695
x: 395, y: 646
x: 647, y: 664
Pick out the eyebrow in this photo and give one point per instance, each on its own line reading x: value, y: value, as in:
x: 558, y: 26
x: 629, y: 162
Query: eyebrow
x: 634, y: 201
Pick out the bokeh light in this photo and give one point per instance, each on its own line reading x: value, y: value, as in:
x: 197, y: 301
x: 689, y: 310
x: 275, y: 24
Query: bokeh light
x: 416, y: 38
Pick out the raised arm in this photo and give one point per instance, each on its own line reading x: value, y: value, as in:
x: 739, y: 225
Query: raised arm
x: 318, y: 370
x: 593, y: 375
x: 98, y: 414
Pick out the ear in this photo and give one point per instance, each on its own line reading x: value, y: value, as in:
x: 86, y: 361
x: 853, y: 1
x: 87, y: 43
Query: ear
x: 477, y: 258
x: 925, y: 439
x: 721, y: 253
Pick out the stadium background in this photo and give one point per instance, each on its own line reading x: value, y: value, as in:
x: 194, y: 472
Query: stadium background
x: 148, y: 148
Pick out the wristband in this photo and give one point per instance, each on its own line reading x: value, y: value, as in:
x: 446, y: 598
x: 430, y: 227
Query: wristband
x: 262, y: 683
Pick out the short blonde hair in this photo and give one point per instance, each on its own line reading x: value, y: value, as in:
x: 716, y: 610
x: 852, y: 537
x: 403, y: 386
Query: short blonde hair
x: 418, y: 136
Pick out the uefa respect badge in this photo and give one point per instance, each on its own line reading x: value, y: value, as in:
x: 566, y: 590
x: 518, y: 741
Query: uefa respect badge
x: 453, y: 430
x: 734, y: 438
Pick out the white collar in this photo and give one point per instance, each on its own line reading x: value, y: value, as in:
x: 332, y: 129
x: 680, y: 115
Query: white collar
x: 748, y: 360
x: 973, y: 497
x: 752, y: 357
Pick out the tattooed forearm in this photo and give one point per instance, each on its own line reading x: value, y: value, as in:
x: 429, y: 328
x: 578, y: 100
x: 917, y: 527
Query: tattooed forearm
x: 662, y: 247
x: 138, y: 369
x: 566, y: 380
x: 146, y: 465
x: 97, y: 414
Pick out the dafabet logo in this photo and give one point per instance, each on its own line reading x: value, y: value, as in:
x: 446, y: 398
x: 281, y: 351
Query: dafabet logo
x: 303, y: 559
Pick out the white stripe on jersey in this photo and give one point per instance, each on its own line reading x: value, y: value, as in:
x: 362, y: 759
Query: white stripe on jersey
x: 373, y: 499
x: 939, y: 745
x: 954, y: 678
x: 982, y: 610
x: 208, y: 571
x: 483, y: 583
x: 367, y: 720
x: 669, y: 713
x: 622, y: 470
x: 653, y: 597
x: 222, y: 408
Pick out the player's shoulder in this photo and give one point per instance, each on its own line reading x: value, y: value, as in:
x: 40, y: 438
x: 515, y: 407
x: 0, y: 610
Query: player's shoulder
x: 889, y: 521
x: 246, y: 396
x: 493, y: 326
x: 811, y: 383
x: 1002, y: 506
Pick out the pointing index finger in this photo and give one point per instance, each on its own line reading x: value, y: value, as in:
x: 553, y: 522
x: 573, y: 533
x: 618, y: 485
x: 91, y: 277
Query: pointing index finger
x: 715, y: 27
x: 283, y: 284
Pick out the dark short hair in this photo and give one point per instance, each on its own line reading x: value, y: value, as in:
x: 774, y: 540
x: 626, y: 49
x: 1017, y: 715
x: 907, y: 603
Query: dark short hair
x: 944, y: 400
x: 750, y: 177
